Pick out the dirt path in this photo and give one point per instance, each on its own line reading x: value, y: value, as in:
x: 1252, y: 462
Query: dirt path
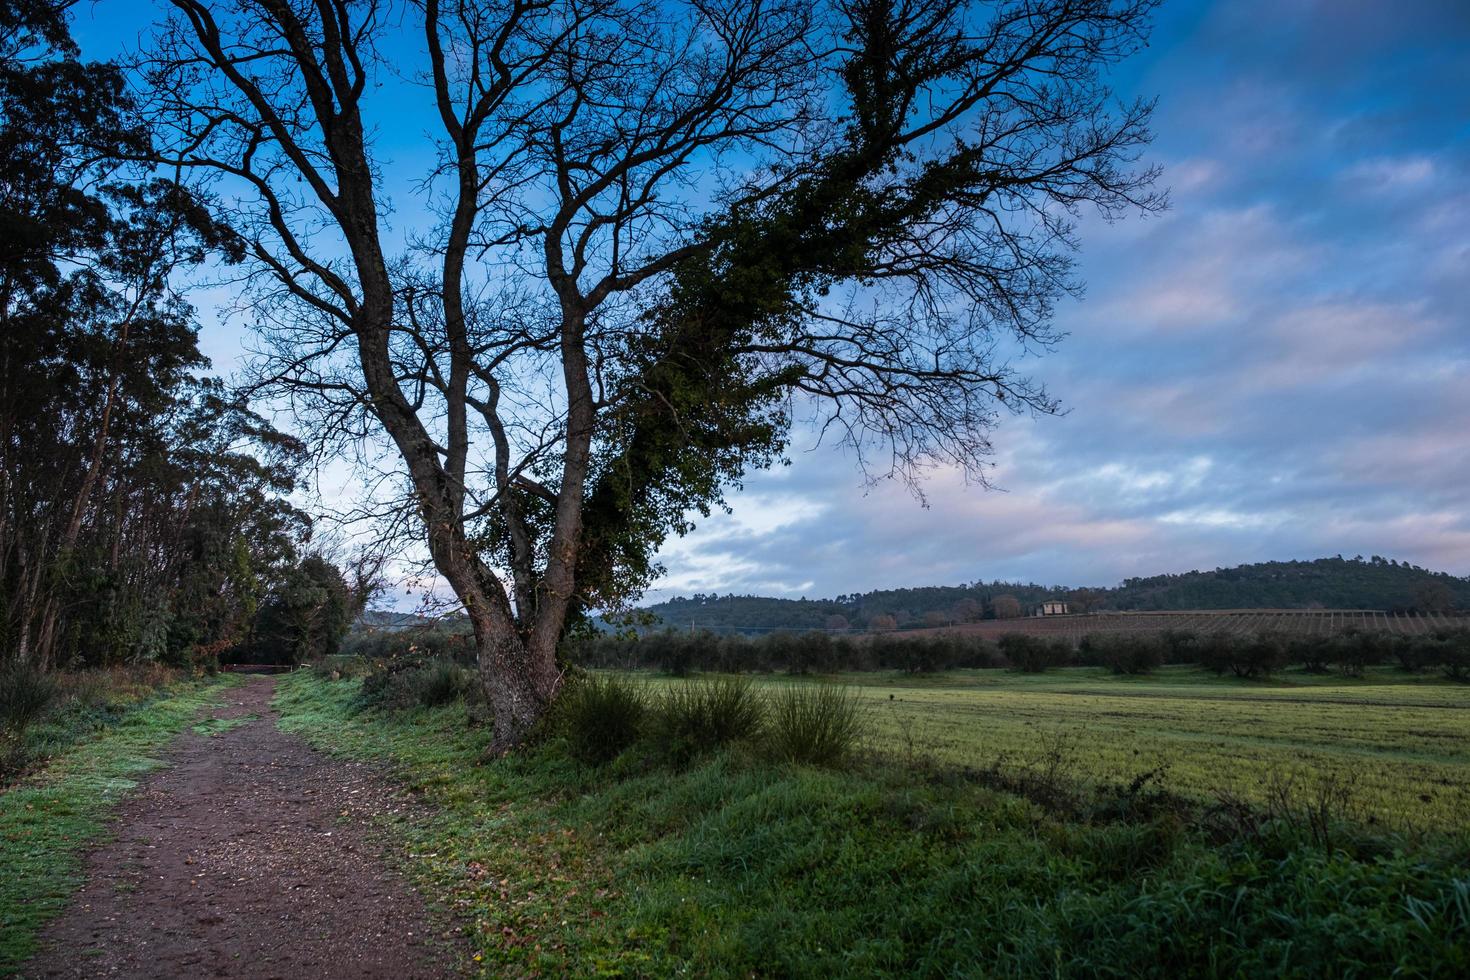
x: 234, y: 862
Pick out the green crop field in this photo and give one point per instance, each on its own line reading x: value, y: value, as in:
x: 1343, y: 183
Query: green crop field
x: 1400, y: 741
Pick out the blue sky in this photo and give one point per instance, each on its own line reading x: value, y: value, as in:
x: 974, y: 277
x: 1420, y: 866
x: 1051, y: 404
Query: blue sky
x: 1278, y: 367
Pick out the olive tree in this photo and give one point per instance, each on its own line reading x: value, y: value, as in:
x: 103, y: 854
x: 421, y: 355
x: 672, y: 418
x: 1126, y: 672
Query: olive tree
x: 663, y: 232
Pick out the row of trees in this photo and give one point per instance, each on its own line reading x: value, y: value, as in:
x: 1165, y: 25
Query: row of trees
x: 1243, y: 655
x: 143, y: 509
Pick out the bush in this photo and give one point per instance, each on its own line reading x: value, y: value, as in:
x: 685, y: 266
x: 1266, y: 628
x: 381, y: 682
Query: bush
x: 804, y: 653
x: 698, y: 716
x: 817, y: 724
x: 25, y: 694
x: 1123, y: 653
x: 341, y: 666
x: 1244, y: 656
x: 436, y: 683
x: 412, y: 682
x: 1181, y: 646
x: 1414, y: 653
x: 1314, y: 653
x: 1354, y: 652
x: 600, y: 717
x: 1035, y: 654
x: 1453, y: 653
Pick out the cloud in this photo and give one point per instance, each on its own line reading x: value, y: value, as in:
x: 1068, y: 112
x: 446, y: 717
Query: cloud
x: 1278, y: 368
x: 1392, y: 173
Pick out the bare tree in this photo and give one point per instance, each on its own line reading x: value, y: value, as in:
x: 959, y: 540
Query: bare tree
x: 664, y: 229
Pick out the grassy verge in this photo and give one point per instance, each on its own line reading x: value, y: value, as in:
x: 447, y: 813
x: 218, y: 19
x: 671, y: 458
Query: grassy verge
x: 50, y: 817
x: 732, y: 866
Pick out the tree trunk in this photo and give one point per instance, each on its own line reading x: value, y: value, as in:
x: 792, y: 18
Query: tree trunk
x: 519, y: 684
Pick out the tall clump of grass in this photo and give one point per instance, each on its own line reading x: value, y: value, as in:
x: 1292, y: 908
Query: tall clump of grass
x: 25, y: 694
x: 437, y: 683
x: 700, y: 716
x: 601, y: 716
x: 817, y: 725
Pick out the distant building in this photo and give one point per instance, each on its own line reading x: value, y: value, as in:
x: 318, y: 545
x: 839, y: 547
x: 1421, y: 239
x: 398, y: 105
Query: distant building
x: 1052, y: 608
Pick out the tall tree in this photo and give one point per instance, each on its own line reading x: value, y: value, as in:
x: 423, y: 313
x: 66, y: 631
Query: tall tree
x: 115, y: 459
x: 666, y: 228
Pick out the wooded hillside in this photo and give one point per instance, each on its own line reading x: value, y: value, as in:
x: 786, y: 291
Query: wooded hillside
x: 1337, y: 583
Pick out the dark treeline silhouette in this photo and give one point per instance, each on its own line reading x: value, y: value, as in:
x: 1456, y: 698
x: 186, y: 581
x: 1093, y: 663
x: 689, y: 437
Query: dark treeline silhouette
x: 143, y: 510
x: 1244, y: 655
x: 1333, y: 583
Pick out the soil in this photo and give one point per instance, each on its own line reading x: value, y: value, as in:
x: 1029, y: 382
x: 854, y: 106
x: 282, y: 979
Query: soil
x: 248, y: 856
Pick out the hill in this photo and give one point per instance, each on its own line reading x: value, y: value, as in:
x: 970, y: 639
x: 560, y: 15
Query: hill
x: 387, y: 620
x: 1334, y: 583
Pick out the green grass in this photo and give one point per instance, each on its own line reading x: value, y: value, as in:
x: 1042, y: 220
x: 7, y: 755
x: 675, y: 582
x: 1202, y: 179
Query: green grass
x: 734, y: 866
x: 1403, y: 740
x: 50, y: 817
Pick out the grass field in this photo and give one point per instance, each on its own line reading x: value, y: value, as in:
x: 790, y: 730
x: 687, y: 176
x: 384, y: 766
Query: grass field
x: 1401, y: 741
x: 732, y: 865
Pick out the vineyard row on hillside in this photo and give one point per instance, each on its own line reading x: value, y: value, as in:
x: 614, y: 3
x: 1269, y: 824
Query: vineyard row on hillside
x: 1288, y: 622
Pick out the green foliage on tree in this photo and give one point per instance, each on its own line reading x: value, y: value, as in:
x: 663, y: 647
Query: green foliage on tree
x: 306, y: 614
x: 141, y: 508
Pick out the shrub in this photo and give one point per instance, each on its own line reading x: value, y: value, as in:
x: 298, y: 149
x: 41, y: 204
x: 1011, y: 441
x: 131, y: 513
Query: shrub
x: 436, y: 683
x: 1414, y: 653
x: 1453, y: 653
x: 816, y: 724
x: 1354, y: 652
x: 698, y: 716
x: 916, y: 656
x: 1244, y: 656
x: 1314, y: 653
x: 25, y: 694
x: 600, y: 717
x: 1125, y: 654
x: 341, y: 666
x: 1180, y: 646
x: 412, y: 682
x: 1035, y: 654
x: 684, y: 653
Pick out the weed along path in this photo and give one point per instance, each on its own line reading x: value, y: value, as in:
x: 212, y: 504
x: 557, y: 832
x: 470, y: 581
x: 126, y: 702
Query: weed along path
x: 236, y: 861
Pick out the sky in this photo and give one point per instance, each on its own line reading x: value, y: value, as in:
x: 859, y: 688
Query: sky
x: 1278, y: 367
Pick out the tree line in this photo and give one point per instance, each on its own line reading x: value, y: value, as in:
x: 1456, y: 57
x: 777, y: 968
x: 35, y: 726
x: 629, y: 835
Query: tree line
x: 1243, y: 655
x: 1333, y: 583
x: 144, y: 507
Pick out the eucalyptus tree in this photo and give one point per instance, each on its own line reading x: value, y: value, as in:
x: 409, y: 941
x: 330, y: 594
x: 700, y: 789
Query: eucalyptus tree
x: 664, y: 231
x: 96, y: 345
